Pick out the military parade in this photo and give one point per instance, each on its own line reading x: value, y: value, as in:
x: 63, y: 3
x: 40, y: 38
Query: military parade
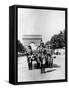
x: 41, y: 55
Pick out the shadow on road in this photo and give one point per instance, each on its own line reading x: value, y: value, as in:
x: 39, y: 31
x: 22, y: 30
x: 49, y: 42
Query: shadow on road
x: 50, y: 70
x: 35, y: 66
x: 56, y: 66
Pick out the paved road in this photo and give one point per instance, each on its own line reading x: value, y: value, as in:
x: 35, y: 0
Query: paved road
x: 55, y: 73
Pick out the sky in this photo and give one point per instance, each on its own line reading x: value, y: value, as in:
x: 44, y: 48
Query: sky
x: 40, y: 22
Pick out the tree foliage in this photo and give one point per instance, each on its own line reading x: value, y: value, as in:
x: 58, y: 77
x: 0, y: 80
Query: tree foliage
x: 58, y: 40
x: 21, y: 48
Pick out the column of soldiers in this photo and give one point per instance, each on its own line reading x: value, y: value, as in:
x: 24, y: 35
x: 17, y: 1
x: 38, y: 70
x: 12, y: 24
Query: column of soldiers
x: 41, y: 56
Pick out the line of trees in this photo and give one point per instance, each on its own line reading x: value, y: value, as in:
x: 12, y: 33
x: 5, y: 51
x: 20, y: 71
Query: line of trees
x: 57, y: 41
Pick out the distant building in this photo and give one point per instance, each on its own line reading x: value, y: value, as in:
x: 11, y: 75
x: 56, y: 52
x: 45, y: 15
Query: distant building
x: 35, y: 39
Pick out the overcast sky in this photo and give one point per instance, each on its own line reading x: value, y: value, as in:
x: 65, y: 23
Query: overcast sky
x: 40, y: 22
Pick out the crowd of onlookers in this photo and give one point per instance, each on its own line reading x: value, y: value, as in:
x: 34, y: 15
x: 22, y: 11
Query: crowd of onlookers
x: 59, y: 51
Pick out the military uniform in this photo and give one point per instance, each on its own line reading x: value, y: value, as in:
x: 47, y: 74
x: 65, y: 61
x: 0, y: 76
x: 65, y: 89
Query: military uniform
x: 42, y: 57
x: 29, y: 56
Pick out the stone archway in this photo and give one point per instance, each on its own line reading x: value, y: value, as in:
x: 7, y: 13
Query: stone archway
x: 34, y: 39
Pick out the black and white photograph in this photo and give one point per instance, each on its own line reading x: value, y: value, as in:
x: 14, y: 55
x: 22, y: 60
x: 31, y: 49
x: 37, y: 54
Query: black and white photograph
x: 41, y: 44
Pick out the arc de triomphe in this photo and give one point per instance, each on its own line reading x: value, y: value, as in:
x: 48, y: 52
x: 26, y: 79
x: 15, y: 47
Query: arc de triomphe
x: 28, y: 39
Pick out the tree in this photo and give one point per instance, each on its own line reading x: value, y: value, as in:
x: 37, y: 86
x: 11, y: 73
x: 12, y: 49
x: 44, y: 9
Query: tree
x: 47, y: 43
x: 58, y: 41
x: 21, y: 48
x: 54, y: 42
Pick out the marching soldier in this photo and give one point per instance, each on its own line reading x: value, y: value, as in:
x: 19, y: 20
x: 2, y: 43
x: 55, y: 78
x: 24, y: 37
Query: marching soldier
x: 29, y: 56
x: 42, y: 54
